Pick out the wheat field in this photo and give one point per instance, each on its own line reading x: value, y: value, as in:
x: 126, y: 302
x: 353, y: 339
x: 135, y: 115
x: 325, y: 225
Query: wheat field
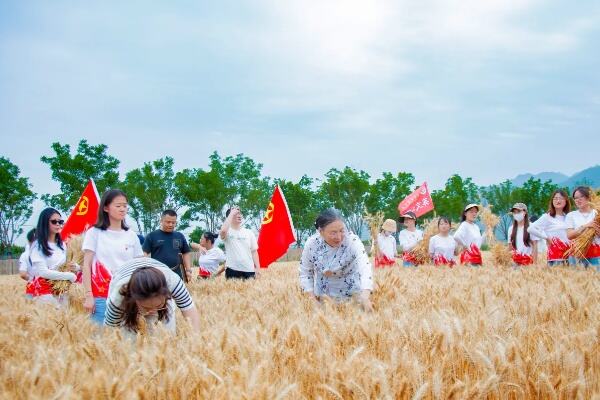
x: 436, y: 333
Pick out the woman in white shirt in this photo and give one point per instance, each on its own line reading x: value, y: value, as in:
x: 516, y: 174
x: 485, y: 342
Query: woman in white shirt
x: 552, y: 228
x: 386, y: 244
x: 107, y: 246
x: 409, y: 238
x: 442, y: 246
x: 47, y: 255
x: 468, y: 236
x: 581, y: 219
x: 522, y: 244
x: 334, y: 262
x: 211, y: 256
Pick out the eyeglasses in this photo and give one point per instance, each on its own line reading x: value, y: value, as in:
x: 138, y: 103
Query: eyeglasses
x: 147, y: 310
x: 57, y: 221
x: 579, y: 197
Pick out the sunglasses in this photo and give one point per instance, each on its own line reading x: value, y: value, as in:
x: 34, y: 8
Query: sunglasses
x: 57, y: 221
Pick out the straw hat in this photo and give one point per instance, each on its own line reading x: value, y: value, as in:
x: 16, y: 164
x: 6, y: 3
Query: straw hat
x: 389, y: 225
x: 471, y: 206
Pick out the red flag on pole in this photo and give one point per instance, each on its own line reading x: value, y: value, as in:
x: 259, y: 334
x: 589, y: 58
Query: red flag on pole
x: 277, y: 231
x: 84, y: 213
x: 419, y: 202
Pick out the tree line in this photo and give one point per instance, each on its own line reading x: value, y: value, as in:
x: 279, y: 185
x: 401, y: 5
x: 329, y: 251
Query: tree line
x: 202, y: 195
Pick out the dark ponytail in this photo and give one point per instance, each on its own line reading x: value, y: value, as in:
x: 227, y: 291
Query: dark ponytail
x: 211, y: 237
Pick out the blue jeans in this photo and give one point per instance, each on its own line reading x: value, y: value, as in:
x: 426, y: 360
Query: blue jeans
x: 407, y: 264
x: 98, y: 315
x: 557, y: 263
x: 586, y: 262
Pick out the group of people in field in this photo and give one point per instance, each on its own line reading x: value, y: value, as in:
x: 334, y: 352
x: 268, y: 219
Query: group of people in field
x: 558, y: 227
x: 126, y: 281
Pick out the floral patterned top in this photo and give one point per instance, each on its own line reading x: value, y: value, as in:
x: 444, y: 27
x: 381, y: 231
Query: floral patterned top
x: 349, y: 264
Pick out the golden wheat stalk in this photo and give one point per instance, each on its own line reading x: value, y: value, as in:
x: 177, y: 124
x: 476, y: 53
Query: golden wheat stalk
x: 74, y: 255
x: 374, y: 221
x: 421, y: 250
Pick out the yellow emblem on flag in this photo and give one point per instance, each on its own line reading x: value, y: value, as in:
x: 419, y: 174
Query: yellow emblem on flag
x: 82, y: 207
x: 269, y: 214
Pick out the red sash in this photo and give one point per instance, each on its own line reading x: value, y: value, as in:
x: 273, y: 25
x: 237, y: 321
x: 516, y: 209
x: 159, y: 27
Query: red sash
x: 593, y: 251
x: 100, y: 281
x: 472, y: 255
x: 382, y: 261
x: 557, y: 249
x: 522, y: 259
x: 408, y: 256
x: 204, y: 273
x: 441, y: 260
x: 29, y: 288
x: 40, y: 286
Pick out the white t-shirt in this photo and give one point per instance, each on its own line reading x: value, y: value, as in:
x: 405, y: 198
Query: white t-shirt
x: 46, y: 266
x: 521, y: 248
x: 548, y: 227
x: 25, y: 262
x: 211, y: 260
x: 408, y: 239
x: 112, y: 248
x: 442, y: 246
x: 387, y: 245
x: 576, y: 218
x: 467, y: 234
x: 239, y: 245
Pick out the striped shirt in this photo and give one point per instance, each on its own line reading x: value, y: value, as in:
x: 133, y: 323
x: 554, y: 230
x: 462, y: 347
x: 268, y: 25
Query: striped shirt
x: 114, y: 314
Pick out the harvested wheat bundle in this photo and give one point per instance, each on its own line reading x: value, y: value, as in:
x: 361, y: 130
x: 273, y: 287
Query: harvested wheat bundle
x: 501, y: 254
x: 581, y: 244
x: 375, y: 221
x: 74, y: 255
x: 421, y: 250
x: 490, y: 221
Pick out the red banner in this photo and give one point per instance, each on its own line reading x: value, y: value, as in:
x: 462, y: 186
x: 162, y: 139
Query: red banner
x: 419, y: 202
x: 84, y: 213
x: 277, y: 231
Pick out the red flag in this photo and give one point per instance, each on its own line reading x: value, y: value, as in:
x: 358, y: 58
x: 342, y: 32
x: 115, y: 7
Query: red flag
x: 277, y: 231
x: 84, y: 213
x: 419, y: 202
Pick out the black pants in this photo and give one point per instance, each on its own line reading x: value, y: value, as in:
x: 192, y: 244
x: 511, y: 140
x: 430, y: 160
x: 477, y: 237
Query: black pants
x: 233, y: 274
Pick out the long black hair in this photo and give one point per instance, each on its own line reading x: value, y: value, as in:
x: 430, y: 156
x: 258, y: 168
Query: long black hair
x: 145, y: 283
x: 43, y: 231
x: 526, y: 236
x: 103, y: 221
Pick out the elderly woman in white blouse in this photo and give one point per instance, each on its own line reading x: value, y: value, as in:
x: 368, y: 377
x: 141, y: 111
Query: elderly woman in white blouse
x: 334, y: 262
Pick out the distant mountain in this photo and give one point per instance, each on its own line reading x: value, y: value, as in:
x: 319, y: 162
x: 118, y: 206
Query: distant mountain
x: 589, y: 176
x: 555, y: 177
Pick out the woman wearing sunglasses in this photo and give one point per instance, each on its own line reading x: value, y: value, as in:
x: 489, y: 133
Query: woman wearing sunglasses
x: 47, y: 254
x: 143, y: 293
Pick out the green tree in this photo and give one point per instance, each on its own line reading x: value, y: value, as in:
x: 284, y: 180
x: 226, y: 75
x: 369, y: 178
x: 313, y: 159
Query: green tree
x: 347, y: 190
x: 72, y: 172
x: 255, y: 202
x: 388, y: 191
x: 16, y: 198
x: 535, y: 195
x: 196, y: 234
x: 302, y: 203
x: 457, y: 193
x: 501, y: 197
x: 151, y: 190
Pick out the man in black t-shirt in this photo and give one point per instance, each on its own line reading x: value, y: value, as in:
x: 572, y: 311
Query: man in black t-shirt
x: 168, y: 246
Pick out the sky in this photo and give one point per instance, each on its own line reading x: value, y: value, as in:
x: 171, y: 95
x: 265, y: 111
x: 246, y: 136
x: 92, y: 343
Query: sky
x: 485, y: 89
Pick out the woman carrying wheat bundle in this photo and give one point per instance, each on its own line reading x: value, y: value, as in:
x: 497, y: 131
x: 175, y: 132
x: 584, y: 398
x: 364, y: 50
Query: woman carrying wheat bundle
x: 409, y: 238
x: 335, y: 263
x: 522, y: 244
x: 468, y: 236
x: 47, y: 255
x: 386, y: 243
x: 583, y: 228
x: 552, y: 228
